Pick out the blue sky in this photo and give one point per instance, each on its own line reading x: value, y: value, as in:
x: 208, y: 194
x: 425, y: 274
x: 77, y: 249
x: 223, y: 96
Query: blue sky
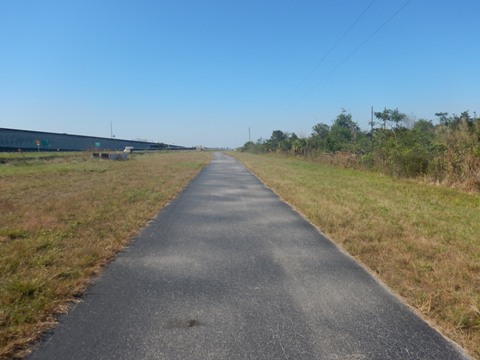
x: 203, y: 72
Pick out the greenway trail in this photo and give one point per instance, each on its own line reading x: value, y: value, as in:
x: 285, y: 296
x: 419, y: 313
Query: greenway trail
x: 229, y: 271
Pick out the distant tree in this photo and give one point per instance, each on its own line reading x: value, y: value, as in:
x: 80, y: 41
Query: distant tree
x: 256, y: 148
x: 393, y: 116
x: 403, y: 146
x: 343, y: 132
x: 277, y: 140
x: 248, y: 146
x: 397, y: 117
x: 319, y: 140
x: 443, y: 118
x: 424, y: 126
x: 297, y: 145
x: 321, y: 130
x: 383, y: 116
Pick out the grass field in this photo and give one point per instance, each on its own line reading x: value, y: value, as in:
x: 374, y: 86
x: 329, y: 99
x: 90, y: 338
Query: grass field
x: 423, y: 241
x: 63, y: 219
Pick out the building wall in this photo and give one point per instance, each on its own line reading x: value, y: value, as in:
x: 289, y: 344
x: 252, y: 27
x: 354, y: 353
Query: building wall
x: 13, y: 140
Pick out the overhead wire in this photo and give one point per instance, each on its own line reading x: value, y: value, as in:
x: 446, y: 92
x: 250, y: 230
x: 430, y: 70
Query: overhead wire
x: 355, y: 50
x: 322, y: 59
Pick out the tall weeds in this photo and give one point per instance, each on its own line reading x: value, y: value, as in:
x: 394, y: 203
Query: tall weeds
x: 447, y: 153
x: 459, y: 163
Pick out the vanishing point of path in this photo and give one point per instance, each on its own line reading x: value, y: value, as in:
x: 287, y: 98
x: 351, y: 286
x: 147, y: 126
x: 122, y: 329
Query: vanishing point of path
x: 229, y: 271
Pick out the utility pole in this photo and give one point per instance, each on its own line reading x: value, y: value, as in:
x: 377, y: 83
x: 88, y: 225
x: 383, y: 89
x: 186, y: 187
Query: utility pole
x: 249, y: 137
x: 371, y: 121
x: 111, y: 130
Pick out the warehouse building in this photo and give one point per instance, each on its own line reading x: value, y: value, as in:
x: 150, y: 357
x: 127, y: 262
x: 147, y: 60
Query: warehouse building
x: 26, y: 140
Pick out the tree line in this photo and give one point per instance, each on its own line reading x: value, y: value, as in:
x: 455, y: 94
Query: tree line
x: 445, y: 152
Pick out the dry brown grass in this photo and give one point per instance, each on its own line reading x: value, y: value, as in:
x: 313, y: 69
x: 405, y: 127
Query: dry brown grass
x: 62, y: 220
x: 422, y: 241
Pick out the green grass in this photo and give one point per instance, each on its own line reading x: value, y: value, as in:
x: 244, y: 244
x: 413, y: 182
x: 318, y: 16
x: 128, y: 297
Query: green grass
x: 63, y: 219
x: 423, y: 241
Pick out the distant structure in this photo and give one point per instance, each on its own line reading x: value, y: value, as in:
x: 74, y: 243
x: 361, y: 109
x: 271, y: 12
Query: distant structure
x: 26, y: 140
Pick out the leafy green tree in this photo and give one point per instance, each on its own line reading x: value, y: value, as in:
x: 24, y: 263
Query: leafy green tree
x: 321, y: 130
x: 391, y: 116
x: 397, y: 117
x: 343, y: 132
x: 276, y: 140
x: 255, y: 148
x: 319, y: 140
x: 443, y: 118
x: 405, y: 152
x: 297, y: 145
x: 448, y: 151
x: 383, y: 116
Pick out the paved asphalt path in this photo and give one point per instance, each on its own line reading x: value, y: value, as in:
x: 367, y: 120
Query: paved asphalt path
x: 229, y: 271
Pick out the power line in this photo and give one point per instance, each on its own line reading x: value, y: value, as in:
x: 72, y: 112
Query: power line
x: 356, y: 49
x: 327, y: 53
